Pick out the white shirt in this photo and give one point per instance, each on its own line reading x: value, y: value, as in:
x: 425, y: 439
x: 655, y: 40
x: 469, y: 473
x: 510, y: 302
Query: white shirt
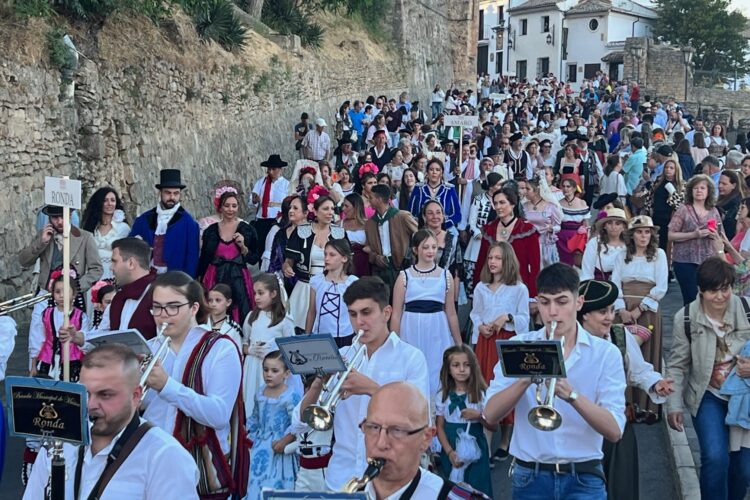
x: 158, y: 468
x: 394, y: 361
x: 8, y: 332
x: 104, y: 242
x: 128, y: 309
x: 613, y: 183
x: 385, y: 238
x: 279, y: 190
x: 489, y: 305
x: 639, y: 269
x: 222, y: 373
x: 37, y: 334
x: 639, y: 372
x: 594, y: 370
x: 604, y: 260
x: 429, y: 487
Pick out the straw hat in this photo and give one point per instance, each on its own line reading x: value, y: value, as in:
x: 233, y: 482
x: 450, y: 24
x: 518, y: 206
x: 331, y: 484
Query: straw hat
x: 611, y: 214
x: 641, y: 221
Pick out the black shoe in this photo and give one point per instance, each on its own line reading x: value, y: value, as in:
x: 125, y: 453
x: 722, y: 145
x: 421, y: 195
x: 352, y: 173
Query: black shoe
x: 500, y: 455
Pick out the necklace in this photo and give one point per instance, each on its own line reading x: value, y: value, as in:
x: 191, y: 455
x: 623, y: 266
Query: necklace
x: 536, y: 205
x: 504, y: 232
x: 568, y: 202
x: 216, y: 324
x: 414, y: 266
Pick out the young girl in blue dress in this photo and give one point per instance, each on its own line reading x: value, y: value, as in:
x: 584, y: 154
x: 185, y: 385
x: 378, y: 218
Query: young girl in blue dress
x: 460, y: 403
x: 268, y: 427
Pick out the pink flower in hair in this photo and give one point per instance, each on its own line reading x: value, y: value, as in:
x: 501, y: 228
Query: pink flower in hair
x: 368, y: 168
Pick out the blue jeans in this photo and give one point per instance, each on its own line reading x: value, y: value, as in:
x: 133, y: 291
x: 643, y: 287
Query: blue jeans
x: 724, y: 475
x: 530, y: 484
x: 437, y: 108
x: 687, y: 277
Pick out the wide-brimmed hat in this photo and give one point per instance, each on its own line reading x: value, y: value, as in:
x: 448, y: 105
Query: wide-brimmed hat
x: 642, y: 221
x: 346, y: 139
x: 52, y: 210
x: 170, y: 178
x: 274, y: 161
x: 597, y: 294
x: 611, y: 214
x: 604, y: 200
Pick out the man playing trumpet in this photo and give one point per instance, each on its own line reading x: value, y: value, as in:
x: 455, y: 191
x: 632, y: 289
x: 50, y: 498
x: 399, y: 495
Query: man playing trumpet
x: 567, y: 460
x: 386, y: 359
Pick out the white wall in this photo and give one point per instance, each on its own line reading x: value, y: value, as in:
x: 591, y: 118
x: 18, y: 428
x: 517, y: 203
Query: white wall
x: 534, y: 45
x: 586, y: 46
x: 621, y: 27
x: 491, y: 9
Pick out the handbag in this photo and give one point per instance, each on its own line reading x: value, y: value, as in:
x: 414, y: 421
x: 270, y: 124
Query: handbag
x: 467, y: 451
x: 577, y: 243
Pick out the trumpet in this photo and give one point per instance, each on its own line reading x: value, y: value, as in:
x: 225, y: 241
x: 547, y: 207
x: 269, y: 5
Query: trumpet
x: 22, y: 302
x: 320, y: 416
x: 374, y: 466
x: 544, y: 416
x: 159, y: 355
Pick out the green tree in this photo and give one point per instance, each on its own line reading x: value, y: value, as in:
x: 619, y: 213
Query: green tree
x: 710, y: 28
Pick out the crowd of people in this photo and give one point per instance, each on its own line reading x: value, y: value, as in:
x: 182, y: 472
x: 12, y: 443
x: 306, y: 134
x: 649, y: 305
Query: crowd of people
x: 569, y: 208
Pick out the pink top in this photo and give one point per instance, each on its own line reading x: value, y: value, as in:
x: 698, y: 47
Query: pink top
x: 686, y: 220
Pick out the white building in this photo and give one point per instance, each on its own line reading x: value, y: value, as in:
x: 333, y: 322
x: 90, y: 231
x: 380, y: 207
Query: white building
x: 597, y: 30
x: 493, y: 16
x: 572, y: 38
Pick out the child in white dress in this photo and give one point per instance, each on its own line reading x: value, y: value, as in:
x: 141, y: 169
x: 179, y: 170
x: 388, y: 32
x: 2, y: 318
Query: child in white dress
x: 219, y: 320
x: 262, y: 327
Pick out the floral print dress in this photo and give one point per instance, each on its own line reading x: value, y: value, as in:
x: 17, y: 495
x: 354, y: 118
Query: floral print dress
x: 270, y: 421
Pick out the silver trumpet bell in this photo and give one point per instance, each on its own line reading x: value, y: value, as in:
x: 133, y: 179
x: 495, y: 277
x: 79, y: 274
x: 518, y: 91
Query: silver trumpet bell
x: 320, y: 416
x: 545, y: 417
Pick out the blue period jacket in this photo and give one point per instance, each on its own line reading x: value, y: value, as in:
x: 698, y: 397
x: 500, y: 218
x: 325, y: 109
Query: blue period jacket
x: 182, y: 239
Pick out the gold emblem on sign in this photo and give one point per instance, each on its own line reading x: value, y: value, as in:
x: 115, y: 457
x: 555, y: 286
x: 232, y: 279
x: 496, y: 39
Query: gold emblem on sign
x: 530, y: 359
x: 48, y: 411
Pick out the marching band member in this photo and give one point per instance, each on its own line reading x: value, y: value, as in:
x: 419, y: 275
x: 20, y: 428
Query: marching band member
x: 131, y: 305
x: 197, y: 390
x: 567, y: 460
x: 387, y: 359
x: 157, y: 467
x: 398, y: 430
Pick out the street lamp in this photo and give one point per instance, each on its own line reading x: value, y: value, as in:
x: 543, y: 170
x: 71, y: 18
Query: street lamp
x: 687, y: 58
x: 551, y: 37
x: 637, y: 53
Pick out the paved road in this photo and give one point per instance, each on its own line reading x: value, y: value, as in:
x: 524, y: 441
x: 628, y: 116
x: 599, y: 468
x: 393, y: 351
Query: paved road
x: 657, y: 478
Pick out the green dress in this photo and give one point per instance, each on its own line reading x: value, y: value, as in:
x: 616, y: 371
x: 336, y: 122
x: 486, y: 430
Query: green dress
x: 478, y: 473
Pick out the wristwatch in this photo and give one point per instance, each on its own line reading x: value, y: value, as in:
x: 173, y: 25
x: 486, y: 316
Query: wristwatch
x: 572, y: 397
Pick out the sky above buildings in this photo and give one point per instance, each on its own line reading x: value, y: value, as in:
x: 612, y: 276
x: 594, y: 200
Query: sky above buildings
x: 743, y: 5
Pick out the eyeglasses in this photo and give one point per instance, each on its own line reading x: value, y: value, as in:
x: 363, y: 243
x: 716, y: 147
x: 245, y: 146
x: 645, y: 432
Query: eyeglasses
x: 169, y: 309
x: 372, y: 430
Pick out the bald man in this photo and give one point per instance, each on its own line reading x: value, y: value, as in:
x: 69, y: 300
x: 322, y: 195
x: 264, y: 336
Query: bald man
x: 157, y: 468
x: 397, y: 429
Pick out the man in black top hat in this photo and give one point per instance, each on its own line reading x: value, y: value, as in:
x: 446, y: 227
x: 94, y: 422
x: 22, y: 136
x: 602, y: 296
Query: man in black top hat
x: 268, y: 194
x: 381, y: 154
x: 47, y: 246
x: 590, y: 168
x: 169, y: 229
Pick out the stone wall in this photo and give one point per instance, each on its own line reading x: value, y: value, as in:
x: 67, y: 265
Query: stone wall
x: 720, y: 105
x: 144, y: 102
x: 660, y: 70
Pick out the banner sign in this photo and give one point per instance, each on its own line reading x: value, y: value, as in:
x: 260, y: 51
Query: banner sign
x: 538, y: 359
x: 62, y: 192
x: 47, y: 409
x: 466, y: 121
x: 311, y: 354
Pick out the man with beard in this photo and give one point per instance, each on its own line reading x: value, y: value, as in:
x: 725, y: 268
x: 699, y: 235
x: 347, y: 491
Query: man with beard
x: 47, y: 246
x: 169, y: 229
x: 131, y: 305
x: 127, y: 459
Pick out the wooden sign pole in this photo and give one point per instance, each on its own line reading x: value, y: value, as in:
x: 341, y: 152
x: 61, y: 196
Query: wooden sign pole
x: 460, y: 186
x: 66, y: 289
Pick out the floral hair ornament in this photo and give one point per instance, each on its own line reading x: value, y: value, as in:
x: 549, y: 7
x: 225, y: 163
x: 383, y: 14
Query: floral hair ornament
x: 307, y: 170
x: 57, y: 273
x: 368, y: 168
x: 312, y: 196
x: 221, y: 187
x: 95, y: 290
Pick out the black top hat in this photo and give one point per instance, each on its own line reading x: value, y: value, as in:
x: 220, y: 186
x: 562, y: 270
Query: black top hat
x: 445, y: 142
x: 346, y: 139
x: 597, y: 295
x: 493, y: 151
x: 52, y: 210
x: 170, y: 178
x: 274, y: 161
x: 516, y: 137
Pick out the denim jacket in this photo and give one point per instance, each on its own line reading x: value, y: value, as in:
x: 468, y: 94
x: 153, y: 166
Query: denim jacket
x: 738, y: 390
